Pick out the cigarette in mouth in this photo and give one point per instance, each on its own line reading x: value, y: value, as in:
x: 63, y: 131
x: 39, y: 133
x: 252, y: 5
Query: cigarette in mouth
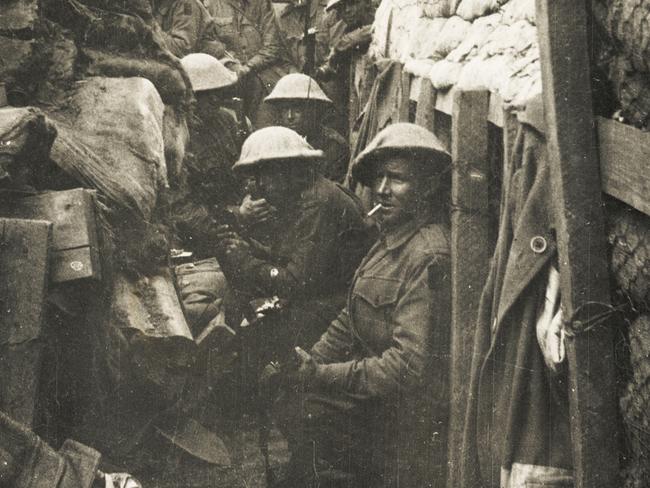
x: 374, y: 210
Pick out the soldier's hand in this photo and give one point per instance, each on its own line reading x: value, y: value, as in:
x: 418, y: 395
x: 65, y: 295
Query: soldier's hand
x: 228, y: 241
x: 241, y: 70
x: 306, y: 368
x: 357, y: 37
x: 255, y: 211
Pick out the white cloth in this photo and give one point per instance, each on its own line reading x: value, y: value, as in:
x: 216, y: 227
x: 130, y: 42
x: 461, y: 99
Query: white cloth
x: 550, y: 331
x: 120, y: 480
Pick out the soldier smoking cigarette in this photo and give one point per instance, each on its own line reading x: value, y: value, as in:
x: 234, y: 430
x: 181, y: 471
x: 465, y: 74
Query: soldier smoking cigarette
x: 374, y: 210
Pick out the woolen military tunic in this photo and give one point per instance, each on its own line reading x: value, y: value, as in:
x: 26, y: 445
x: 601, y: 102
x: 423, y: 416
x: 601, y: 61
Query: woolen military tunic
x: 389, y: 349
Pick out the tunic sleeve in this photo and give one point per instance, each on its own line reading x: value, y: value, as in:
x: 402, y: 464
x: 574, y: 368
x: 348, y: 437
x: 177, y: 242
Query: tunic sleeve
x: 312, y: 240
x: 270, y: 51
x: 183, y: 34
x: 336, y: 344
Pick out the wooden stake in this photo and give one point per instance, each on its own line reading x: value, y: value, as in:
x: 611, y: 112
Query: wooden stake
x: 573, y: 159
x: 470, y: 250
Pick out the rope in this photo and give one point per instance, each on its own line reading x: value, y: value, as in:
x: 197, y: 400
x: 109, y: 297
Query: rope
x: 574, y: 326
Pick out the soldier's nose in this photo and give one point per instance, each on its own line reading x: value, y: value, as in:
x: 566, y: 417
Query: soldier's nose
x: 383, y: 186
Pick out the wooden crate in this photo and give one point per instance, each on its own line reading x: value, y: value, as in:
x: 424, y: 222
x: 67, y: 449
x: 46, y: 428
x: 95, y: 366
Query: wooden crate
x: 75, y: 253
x: 24, y: 257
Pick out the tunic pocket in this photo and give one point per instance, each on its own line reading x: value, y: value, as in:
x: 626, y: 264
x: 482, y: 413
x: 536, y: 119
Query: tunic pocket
x: 377, y: 291
x: 226, y: 31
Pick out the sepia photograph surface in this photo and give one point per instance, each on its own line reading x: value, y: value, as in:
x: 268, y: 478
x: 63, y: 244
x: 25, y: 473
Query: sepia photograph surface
x: 324, y: 244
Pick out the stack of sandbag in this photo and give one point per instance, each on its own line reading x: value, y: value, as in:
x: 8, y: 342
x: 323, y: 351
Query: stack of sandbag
x: 110, y: 137
x: 629, y: 238
x: 119, y: 38
x: 45, y: 46
x: 622, y: 53
x: 25, y: 140
x: 470, y: 44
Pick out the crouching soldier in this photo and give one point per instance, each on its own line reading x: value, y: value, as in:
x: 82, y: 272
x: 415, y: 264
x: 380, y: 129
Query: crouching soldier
x: 300, y: 104
x: 319, y: 238
x: 207, y: 186
x: 371, y: 396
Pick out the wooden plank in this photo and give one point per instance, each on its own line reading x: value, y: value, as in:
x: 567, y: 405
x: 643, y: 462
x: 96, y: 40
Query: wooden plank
x: 426, y: 105
x: 74, y: 264
x: 445, y: 104
x: 470, y: 252
x: 624, y: 151
x: 405, y: 100
x: 573, y: 159
x: 24, y: 257
x: 625, y: 163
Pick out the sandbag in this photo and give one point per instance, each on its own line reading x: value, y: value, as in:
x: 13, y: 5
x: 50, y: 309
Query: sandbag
x: 25, y: 141
x: 472, y: 9
x: 18, y: 14
x: 444, y: 74
x: 111, y: 138
x: 629, y: 237
x: 24, y: 130
x: 121, y: 39
x: 634, y: 405
x: 424, y: 37
x: 202, y: 287
x: 438, y: 8
x: 168, y: 80
x: 476, y: 37
x: 621, y: 44
x: 516, y: 10
x: 148, y: 312
x: 451, y: 35
x: 176, y: 135
x: 17, y: 61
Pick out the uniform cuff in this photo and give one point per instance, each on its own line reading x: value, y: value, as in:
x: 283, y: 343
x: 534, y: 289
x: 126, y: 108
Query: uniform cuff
x: 329, y: 375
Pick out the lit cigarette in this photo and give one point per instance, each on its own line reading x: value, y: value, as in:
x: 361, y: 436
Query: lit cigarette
x: 374, y: 210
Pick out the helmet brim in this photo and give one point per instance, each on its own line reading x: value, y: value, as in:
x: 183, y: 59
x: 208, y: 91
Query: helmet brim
x: 246, y: 166
x: 363, y: 166
x: 318, y: 101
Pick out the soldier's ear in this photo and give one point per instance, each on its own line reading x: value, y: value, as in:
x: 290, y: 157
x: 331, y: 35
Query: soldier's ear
x: 430, y: 185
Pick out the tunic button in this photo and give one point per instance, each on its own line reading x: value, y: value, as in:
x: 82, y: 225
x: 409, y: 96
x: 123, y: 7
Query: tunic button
x: 538, y: 244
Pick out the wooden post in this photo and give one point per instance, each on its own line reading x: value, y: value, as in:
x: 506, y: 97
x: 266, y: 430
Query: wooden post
x: 424, y: 114
x: 573, y: 159
x: 405, y: 100
x: 470, y: 250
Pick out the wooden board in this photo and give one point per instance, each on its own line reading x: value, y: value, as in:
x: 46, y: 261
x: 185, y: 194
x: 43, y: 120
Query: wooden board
x: 573, y: 159
x: 470, y: 250
x: 74, y: 240
x: 405, y: 101
x: 24, y: 257
x: 445, y: 104
x: 424, y: 114
x: 625, y: 163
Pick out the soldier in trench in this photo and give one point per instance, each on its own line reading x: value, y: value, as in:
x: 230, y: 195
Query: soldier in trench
x: 370, y: 398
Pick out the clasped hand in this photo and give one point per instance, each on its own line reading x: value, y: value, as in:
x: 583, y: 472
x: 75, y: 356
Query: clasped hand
x: 255, y: 211
x: 229, y: 241
x: 305, y: 370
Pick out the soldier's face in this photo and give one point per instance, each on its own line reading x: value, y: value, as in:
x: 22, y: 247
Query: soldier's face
x: 396, y: 187
x: 274, y: 185
x: 297, y: 116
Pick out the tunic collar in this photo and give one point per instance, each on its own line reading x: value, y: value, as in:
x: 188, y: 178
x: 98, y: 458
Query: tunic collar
x: 315, y: 5
x: 400, y: 235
